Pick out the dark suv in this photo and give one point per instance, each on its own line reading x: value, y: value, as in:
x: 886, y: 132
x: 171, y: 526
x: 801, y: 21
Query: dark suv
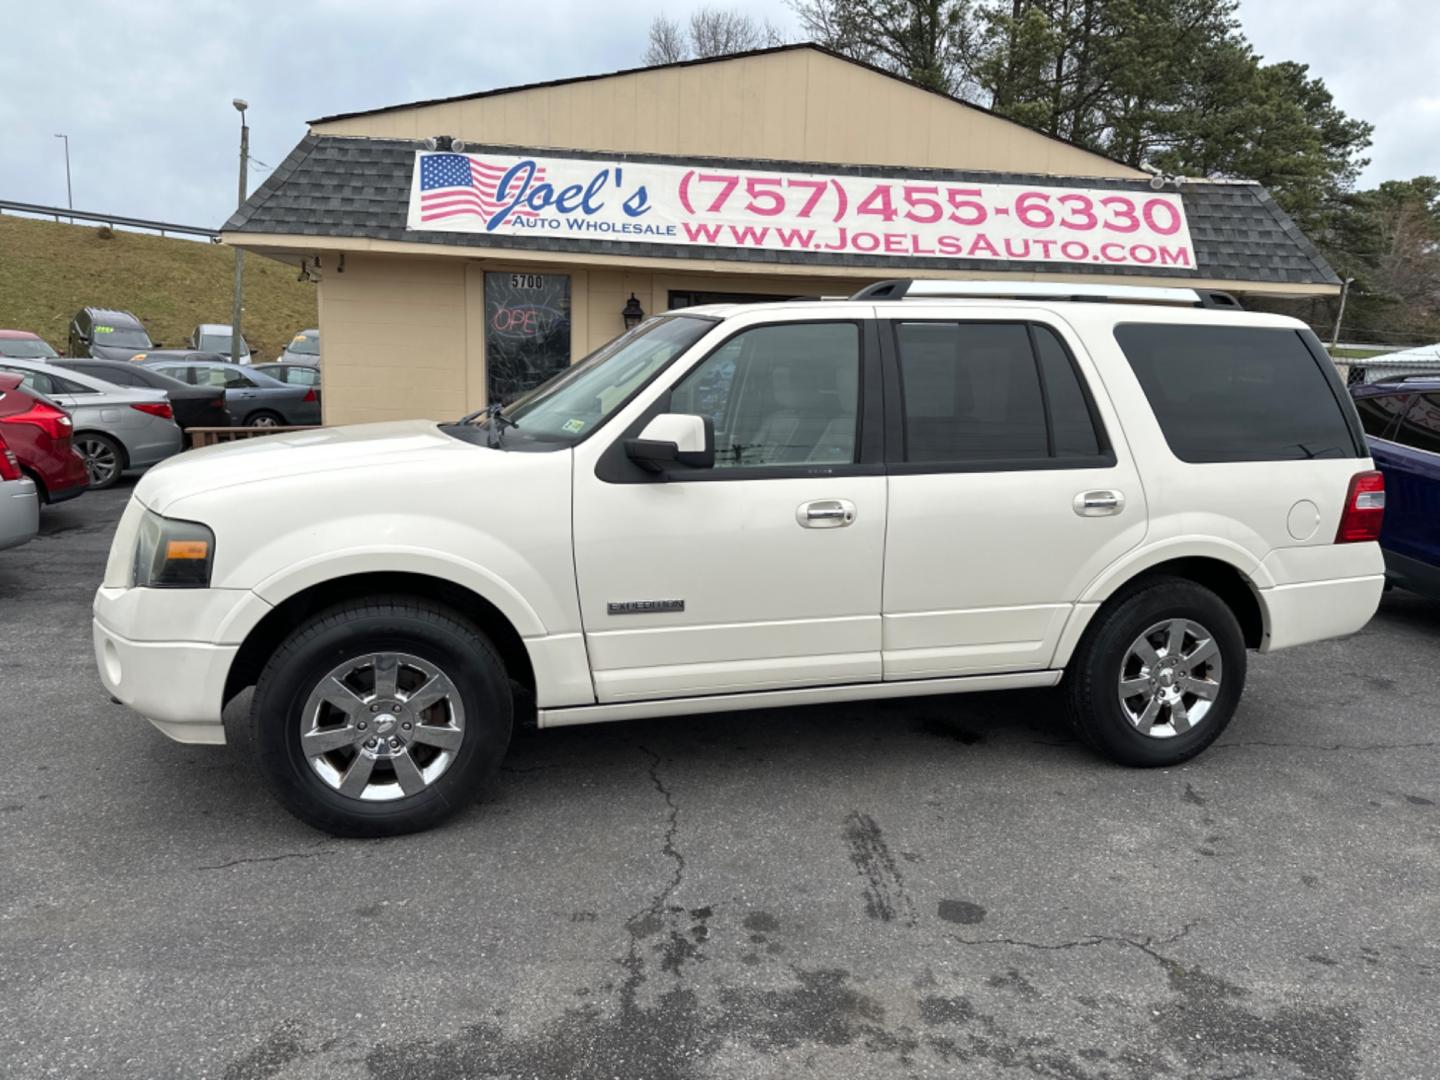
x: 108, y: 335
x: 1402, y: 420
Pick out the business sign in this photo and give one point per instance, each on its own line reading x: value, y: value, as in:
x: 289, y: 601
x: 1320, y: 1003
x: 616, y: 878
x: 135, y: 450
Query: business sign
x: 811, y: 213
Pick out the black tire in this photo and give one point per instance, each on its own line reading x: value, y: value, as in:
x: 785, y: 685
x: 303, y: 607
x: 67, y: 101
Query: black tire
x: 264, y: 418
x: 104, y: 458
x: 1092, y: 680
x: 429, y: 632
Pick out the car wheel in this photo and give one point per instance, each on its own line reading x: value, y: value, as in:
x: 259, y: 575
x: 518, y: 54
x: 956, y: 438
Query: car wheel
x: 381, y: 717
x: 104, y: 458
x: 1158, y: 674
x: 263, y: 419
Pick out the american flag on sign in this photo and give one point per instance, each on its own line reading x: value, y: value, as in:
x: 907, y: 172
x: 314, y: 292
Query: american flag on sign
x: 452, y: 185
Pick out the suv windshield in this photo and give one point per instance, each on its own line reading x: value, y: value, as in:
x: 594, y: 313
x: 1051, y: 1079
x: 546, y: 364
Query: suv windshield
x: 121, y: 338
x: 26, y: 349
x: 579, y: 399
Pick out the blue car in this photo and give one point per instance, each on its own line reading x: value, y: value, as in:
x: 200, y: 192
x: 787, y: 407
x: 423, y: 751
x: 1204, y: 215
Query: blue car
x: 1402, y: 420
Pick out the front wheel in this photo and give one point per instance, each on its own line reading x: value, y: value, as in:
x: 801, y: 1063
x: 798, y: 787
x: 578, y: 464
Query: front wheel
x: 1158, y: 675
x: 264, y: 418
x: 381, y: 717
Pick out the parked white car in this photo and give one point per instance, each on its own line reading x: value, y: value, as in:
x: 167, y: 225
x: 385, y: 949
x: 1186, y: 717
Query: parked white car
x: 935, y: 487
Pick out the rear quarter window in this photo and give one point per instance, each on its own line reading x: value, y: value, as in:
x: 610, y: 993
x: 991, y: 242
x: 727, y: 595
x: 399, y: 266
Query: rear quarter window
x: 1239, y: 393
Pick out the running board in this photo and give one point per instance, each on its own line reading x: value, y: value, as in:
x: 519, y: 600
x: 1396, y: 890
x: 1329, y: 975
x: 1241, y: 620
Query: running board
x: 809, y: 695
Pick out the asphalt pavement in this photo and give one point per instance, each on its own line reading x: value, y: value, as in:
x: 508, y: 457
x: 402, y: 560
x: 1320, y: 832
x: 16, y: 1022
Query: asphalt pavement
x: 930, y: 888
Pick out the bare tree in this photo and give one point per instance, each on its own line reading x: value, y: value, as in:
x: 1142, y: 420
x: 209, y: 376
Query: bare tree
x: 667, y: 42
x: 711, y: 32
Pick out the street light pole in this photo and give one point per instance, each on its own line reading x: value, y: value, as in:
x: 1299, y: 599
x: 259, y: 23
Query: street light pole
x: 69, y: 198
x: 240, y: 105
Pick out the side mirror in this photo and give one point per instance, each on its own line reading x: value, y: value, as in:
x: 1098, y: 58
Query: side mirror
x: 674, y: 439
x: 157, y: 345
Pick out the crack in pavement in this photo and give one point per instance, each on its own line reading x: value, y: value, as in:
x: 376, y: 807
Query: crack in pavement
x: 668, y: 849
x: 1327, y: 746
x: 269, y: 858
x: 1145, y: 945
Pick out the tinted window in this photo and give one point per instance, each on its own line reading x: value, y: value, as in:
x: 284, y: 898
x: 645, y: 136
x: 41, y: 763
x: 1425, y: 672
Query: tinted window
x: 1072, y: 427
x: 1234, y: 393
x: 971, y: 393
x: 1421, y: 426
x: 118, y: 376
x: 1378, y: 414
x: 779, y: 395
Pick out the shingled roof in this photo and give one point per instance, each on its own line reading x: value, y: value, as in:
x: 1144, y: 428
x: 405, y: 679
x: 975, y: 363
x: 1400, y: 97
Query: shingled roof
x: 341, y: 186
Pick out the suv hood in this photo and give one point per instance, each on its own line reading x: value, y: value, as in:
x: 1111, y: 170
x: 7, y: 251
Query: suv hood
x: 261, y: 458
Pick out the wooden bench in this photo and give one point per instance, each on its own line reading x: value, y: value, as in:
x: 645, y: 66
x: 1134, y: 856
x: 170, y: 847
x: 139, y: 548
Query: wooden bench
x: 209, y: 436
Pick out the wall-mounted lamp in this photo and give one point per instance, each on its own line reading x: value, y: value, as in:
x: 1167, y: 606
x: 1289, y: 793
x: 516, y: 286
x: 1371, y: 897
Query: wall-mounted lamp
x: 633, y: 313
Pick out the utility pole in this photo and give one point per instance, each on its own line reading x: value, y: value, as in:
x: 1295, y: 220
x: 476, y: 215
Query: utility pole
x: 240, y: 105
x: 1339, y: 315
x: 69, y: 198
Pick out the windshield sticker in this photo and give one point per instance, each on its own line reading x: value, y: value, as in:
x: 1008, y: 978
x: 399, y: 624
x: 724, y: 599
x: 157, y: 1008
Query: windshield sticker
x: 573, y: 426
x: 104, y: 329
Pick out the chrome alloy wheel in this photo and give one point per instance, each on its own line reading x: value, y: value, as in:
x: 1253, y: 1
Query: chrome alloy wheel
x: 101, y: 460
x: 382, y: 726
x: 1170, y: 678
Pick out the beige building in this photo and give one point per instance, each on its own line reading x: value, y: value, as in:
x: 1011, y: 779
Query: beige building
x: 435, y: 315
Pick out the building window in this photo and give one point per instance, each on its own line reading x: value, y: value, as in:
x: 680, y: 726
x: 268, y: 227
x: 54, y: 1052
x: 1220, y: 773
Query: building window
x: 527, y: 331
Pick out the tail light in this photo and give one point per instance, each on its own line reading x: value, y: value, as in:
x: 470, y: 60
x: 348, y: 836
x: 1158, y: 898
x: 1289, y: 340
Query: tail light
x: 310, y: 395
x: 54, y: 422
x: 1364, y: 509
x: 218, y: 402
x: 9, y: 467
x: 156, y: 408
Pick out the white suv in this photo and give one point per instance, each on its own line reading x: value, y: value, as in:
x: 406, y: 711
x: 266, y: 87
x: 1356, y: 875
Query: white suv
x: 930, y: 488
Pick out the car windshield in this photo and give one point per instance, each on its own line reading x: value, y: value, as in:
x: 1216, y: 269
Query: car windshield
x: 221, y: 343
x: 305, y: 345
x: 581, y: 398
x: 26, y: 349
x: 121, y: 338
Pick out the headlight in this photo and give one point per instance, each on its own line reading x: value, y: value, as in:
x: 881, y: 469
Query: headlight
x: 172, y: 554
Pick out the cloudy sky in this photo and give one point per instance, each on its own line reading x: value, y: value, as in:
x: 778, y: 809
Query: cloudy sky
x: 143, y: 87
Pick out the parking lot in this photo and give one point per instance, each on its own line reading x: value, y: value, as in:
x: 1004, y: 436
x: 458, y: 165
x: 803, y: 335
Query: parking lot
x: 938, y: 887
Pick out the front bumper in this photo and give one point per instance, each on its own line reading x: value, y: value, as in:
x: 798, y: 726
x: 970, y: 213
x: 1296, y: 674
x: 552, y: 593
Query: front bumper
x: 179, y: 686
x: 166, y: 653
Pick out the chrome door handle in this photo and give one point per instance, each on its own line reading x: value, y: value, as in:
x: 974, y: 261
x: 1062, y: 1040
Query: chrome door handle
x: 1099, y: 503
x: 825, y: 514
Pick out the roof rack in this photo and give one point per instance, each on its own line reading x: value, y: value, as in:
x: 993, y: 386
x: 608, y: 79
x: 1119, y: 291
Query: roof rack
x: 938, y: 289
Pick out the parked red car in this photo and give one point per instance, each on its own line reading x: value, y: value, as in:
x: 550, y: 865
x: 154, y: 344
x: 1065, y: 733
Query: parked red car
x: 38, y: 432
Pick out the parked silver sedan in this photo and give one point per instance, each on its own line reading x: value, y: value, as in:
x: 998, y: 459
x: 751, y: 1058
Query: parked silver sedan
x: 116, y: 428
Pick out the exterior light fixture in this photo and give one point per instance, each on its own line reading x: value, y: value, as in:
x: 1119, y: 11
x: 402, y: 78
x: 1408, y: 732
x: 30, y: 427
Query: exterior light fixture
x: 633, y: 313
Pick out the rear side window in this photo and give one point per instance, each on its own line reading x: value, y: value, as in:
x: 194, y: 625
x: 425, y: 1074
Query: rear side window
x: 1237, y: 393
x: 992, y: 392
x: 1421, y: 427
x: 1378, y: 414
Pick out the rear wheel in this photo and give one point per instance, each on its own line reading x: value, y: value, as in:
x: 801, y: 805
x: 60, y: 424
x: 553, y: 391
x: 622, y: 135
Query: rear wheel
x: 264, y: 418
x: 1158, y: 675
x: 381, y: 717
x: 104, y: 458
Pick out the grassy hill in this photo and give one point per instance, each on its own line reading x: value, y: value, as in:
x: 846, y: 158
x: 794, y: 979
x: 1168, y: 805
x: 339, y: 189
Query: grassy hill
x: 49, y: 271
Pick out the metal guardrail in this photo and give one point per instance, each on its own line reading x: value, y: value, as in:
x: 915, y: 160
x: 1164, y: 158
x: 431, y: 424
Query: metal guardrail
x: 58, y: 212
